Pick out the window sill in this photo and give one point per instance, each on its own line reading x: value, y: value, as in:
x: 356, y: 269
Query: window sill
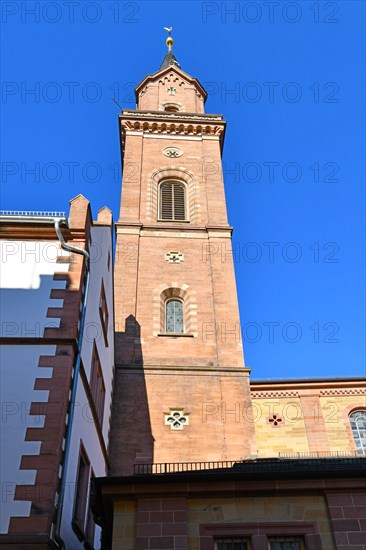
x: 176, y: 335
x: 173, y: 221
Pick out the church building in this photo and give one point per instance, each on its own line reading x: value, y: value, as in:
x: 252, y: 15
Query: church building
x: 178, y: 449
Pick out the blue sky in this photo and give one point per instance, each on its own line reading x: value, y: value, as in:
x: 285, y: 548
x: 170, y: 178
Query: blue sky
x: 289, y: 79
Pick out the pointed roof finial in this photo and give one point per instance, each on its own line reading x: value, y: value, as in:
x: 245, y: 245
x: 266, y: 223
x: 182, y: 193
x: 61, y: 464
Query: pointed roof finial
x: 169, y: 58
x: 169, y: 40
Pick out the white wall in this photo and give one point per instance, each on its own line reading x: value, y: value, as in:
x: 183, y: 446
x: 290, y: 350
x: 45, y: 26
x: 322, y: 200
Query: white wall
x: 27, y: 270
x: 26, y: 281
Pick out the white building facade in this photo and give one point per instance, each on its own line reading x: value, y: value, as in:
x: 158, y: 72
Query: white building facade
x: 57, y: 367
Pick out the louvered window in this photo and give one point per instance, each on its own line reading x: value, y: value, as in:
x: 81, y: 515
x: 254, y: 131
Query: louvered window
x: 174, y: 317
x: 172, y: 201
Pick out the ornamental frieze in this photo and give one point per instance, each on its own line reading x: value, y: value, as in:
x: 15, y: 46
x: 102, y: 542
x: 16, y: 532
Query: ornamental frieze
x: 153, y: 127
x: 273, y: 394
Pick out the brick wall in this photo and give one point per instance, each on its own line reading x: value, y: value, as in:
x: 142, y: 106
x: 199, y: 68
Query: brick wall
x: 348, y: 516
x: 161, y: 524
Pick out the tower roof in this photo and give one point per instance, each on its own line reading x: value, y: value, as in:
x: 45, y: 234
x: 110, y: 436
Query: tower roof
x: 169, y: 58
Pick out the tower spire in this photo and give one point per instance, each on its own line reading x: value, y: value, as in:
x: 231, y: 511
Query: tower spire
x: 169, y: 58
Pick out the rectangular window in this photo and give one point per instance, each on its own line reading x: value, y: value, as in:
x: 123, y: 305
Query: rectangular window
x: 297, y: 535
x: 90, y: 525
x: 285, y: 543
x: 81, y: 490
x: 97, y: 385
x: 103, y: 314
x: 236, y: 543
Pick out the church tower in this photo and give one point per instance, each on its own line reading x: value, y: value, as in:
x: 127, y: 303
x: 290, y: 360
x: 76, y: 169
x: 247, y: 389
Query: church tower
x: 181, y: 388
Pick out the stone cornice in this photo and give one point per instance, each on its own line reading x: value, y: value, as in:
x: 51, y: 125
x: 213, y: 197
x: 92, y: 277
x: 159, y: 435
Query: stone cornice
x: 157, y: 123
x: 127, y: 114
x: 179, y: 230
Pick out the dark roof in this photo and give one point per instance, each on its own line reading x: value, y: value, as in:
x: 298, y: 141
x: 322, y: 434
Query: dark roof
x: 169, y: 59
x: 264, y: 468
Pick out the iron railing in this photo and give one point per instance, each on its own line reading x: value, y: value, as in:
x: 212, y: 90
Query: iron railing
x: 33, y: 213
x: 174, y: 467
x: 269, y: 463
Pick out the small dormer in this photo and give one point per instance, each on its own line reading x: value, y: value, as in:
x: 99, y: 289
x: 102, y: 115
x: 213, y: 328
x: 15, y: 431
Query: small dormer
x: 170, y: 89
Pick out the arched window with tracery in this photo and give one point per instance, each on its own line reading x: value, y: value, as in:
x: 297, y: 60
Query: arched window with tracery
x: 174, y: 317
x: 358, y: 426
x: 172, y: 201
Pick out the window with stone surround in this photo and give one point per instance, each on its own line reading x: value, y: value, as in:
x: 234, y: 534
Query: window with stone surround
x: 172, y: 201
x: 358, y: 426
x: 172, y: 173
x: 184, y: 320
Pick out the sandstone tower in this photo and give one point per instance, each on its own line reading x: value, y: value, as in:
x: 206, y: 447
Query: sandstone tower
x: 181, y: 387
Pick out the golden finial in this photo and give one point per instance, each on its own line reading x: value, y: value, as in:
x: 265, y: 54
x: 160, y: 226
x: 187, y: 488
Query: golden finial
x: 169, y: 40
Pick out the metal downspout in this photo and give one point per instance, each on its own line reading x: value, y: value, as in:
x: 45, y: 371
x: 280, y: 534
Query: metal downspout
x: 56, y: 535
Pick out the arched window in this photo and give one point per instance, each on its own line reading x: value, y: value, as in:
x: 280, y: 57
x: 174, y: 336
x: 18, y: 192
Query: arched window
x: 171, y: 108
x: 172, y: 201
x: 174, y: 317
x: 358, y: 425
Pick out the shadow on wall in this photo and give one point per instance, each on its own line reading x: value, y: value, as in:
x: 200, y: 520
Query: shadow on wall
x: 131, y: 440
x: 24, y: 312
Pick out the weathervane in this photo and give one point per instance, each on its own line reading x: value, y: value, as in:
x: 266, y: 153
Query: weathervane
x: 169, y: 40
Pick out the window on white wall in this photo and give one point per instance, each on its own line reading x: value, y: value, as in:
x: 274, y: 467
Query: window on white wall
x: 81, y: 493
x: 103, y: 313
x: 97, y: 386
x: 90, y: 524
